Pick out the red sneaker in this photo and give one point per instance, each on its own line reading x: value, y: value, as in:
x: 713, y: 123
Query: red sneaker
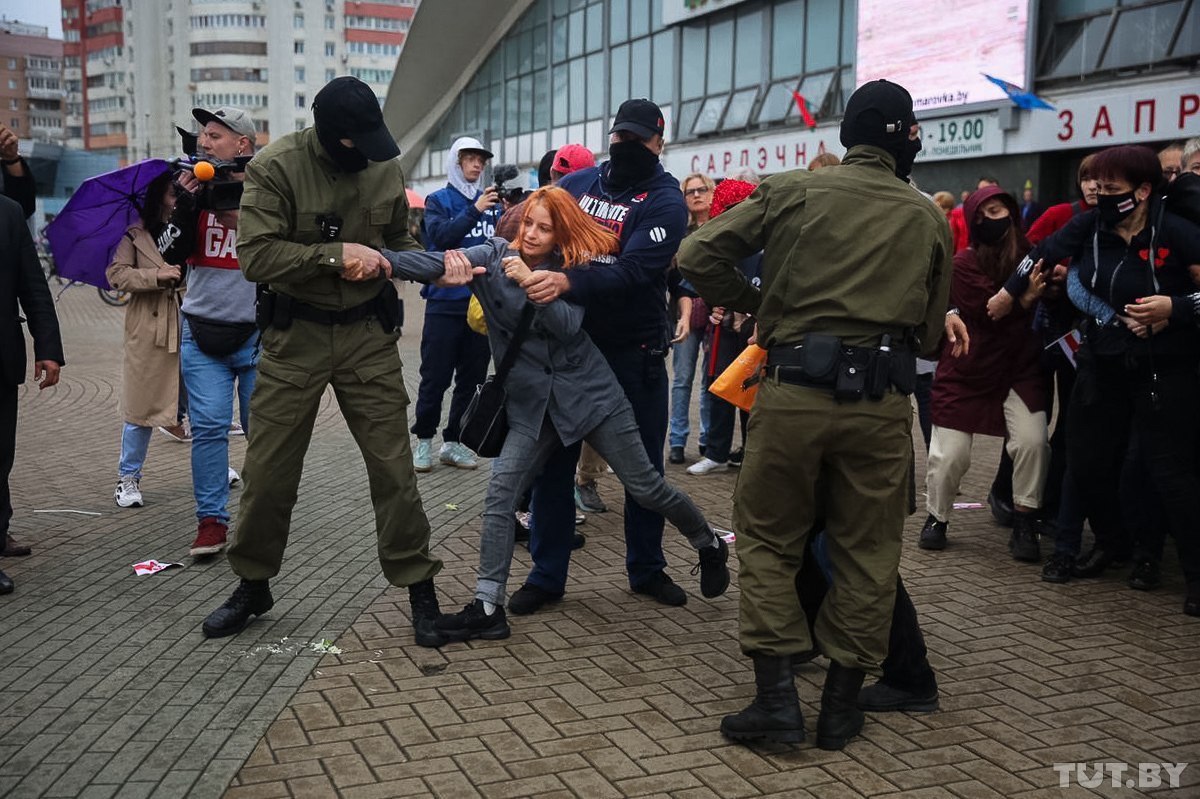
x: 210, y: 537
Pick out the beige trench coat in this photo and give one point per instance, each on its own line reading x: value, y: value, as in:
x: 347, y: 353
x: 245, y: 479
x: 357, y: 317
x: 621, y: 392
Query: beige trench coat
x: 150, y: 377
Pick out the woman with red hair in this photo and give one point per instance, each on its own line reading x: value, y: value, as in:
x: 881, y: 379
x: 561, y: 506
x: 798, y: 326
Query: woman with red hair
x: 560, y: 391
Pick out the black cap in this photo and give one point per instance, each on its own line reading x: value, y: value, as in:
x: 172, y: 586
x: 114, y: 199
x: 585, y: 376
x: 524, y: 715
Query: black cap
x: 639, y: 116
x: 878, y: 113
x: 347, y: 108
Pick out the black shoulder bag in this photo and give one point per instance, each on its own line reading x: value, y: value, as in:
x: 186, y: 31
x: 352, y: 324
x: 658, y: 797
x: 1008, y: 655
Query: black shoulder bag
x: 484, y: 424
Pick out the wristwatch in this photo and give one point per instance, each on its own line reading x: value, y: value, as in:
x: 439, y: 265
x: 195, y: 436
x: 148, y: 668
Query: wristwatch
x: 953, y: 312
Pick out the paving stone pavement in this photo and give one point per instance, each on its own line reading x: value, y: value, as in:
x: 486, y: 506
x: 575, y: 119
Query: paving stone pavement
x: 107, y: 688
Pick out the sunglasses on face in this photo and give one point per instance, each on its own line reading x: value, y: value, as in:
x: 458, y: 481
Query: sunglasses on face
x: 696, y: 192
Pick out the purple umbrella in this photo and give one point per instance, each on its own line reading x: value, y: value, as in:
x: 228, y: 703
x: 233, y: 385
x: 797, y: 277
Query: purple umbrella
x: 85, y: 234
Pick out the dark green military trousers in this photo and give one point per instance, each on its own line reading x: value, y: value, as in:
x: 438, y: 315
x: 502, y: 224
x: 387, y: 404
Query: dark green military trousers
x: 808, y: 456
x: 360, y: 361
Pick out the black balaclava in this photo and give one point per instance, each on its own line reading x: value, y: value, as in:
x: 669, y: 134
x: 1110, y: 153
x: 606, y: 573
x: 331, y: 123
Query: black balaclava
x: 630, y: 162
x: 880, y: 113
x: 348, y: 159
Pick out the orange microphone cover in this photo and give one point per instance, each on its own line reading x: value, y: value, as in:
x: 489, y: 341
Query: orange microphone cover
x: 204, y: 171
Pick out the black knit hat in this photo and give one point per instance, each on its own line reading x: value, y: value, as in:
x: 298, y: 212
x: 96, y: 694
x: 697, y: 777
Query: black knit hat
x: 878, y: 113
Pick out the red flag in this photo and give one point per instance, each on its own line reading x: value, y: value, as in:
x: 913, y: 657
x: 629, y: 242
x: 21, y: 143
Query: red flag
x: 803, y: 106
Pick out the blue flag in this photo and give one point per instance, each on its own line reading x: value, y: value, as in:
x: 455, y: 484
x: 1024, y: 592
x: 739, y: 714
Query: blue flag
x: 1020, y: 97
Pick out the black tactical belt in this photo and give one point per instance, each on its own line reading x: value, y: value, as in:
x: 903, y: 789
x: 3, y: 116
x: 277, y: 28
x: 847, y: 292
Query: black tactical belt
x: 322, y: 316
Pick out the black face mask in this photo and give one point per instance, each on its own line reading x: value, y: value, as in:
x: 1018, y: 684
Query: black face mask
x: 1114, y: 208
x: 348, y: 159
x: 906, y: 156
x: 631, y: 163
x: 991, y: 231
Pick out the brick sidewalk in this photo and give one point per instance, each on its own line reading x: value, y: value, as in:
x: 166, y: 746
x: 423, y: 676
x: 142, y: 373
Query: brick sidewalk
x: 108, y: 689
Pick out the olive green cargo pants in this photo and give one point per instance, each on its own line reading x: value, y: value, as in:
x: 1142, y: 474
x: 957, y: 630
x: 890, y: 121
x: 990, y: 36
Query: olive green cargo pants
x: 360, y: 361
x: 808, y: 456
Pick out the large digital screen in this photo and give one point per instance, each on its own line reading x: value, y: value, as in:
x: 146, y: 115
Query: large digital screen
x: 939, y: 49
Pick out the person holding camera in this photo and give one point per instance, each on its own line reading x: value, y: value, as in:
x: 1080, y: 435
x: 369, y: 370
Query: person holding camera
x: 317, y: 206
x: 463, y: 214
x: 218, y: 349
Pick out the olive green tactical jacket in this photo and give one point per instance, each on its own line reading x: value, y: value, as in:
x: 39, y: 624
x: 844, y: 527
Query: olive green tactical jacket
x: 290, y: 186
x: 848, y: 250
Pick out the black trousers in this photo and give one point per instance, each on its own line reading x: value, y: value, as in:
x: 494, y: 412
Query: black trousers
x: 1116, y: 400
x: 8, y: 448
x: 907, y: 665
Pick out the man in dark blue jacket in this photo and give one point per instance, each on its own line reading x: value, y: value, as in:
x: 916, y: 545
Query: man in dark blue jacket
x: 463, y: 214
x: 625, y: 296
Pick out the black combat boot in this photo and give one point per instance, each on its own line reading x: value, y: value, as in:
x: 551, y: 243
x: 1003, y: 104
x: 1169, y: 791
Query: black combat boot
x: 250, y: 598
x: 774, y: 715
x: 1023, y: 544
x: 422, y: 597
x: 840, y: 719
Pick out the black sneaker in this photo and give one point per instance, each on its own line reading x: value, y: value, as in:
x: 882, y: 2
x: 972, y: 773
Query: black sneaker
x: 1146, y: 575
x: 713, y: 569
x: 933, y: 534
x: 676, y: 455
x: 1058, y: 569
x: 250, y: 598
x: 530, y: 598
x: 472, y: 622
x: 735, y: 458
x: 422, y: 598
x: 662, y: 589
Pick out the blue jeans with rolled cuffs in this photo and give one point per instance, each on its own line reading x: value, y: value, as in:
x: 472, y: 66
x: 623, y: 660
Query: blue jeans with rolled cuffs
x: 212, y: 382
x: 619, y: 442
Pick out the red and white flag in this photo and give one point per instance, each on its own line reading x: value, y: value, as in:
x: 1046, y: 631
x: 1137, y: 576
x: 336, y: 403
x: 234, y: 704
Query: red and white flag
x: 1069, y: 344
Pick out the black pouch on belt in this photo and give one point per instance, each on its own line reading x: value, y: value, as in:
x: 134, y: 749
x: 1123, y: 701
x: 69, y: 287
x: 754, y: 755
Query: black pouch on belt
x: 387, y: 307
x: 819, y: 356
x: 852, y: 369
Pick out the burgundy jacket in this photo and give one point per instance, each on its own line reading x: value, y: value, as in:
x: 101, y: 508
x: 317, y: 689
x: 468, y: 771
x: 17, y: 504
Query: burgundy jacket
x: 969, y: 391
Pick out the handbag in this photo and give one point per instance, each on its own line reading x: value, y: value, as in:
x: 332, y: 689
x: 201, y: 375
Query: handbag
x: 483, y: 426
x: 219, y: 339
x: 738, y: 384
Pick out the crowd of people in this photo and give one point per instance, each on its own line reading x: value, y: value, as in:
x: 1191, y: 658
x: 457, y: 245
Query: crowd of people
x: 582, y: 290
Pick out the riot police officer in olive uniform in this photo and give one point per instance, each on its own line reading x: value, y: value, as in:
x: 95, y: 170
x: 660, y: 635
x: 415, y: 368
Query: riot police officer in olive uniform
x: 855, y: 280
x: 316, y: 207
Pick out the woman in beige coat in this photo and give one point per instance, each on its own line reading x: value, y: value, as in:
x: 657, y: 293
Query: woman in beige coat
x: 150, y: 375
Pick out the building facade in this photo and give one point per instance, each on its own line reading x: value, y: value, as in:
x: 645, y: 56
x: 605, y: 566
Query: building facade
x: 31, y: 90
x: 761, y: 84
x: 136, y: 68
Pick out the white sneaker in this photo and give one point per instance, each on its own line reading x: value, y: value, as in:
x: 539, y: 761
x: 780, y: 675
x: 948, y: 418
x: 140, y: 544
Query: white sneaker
x: 128, y: 493
x: 455, y: 454
x: 235, y: 429
x: 704, y: 466
x: 235, y: 479
x: 423, y: 455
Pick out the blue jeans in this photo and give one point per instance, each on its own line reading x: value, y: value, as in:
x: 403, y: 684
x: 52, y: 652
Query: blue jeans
x: 211, y: 382
x: 643, y: 376
x: 135, y: 440
x: 683, y: 364
x: 619, y: 442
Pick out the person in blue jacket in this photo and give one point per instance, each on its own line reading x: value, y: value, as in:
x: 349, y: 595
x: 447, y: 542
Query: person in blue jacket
x: 463, y: 214
x: 626, y: 316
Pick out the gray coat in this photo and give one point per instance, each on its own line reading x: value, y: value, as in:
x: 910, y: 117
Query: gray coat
x: 559, y: 372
